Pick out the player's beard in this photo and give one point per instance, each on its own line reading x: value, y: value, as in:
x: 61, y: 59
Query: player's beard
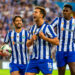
x: 17, y: 27
x: 67, y: 16
x: 36, y: 21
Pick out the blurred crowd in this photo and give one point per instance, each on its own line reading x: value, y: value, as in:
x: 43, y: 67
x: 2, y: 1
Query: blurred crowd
x: 24, y: 8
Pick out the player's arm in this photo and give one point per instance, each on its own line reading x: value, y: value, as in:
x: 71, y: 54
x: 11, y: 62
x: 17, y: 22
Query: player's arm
x: 53, y: 41
x: 31, y: 37
x: 52, y: 36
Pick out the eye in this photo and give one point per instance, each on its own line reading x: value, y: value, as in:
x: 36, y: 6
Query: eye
x: 65, y: 10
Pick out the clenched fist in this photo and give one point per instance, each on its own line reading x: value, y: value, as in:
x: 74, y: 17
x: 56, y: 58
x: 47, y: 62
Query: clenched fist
x: 34, y: 37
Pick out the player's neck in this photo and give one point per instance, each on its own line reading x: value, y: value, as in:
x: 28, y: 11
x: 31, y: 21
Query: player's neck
x: 40, y: 22
x: 18, y: 30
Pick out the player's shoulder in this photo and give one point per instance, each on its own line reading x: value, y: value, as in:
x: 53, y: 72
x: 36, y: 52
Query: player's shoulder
x: 56, y: 20
x: 10, y: 31
x: 32, y: 27
x: 48, y: 26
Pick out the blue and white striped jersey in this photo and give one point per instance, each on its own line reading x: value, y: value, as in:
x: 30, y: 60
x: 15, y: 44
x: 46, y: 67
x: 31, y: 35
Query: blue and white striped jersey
x: 41, y: 48
x: 18, y: 44
x: 65, y: 33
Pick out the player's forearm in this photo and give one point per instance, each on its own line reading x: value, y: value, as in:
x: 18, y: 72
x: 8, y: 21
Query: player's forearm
x: 29, y: 42
x: 53, y: 41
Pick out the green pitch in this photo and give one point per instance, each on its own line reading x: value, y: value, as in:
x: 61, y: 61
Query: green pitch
x: 6, y: 72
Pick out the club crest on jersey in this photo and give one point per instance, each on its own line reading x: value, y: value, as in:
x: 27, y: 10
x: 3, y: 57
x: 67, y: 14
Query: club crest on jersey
x: 62, y: 23
x: 12, y: 37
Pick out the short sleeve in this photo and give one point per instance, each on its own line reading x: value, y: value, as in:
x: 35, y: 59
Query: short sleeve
x: 30, y: 33
x: 54, y: 23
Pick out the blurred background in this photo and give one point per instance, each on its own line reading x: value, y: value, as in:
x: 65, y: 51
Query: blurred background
x: 24, y: 8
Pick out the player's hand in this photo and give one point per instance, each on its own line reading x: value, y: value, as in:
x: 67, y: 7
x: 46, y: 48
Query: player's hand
x: 3, y: 54
x: 41, y: 35
x: 34, y: 37
x: 0, y: 50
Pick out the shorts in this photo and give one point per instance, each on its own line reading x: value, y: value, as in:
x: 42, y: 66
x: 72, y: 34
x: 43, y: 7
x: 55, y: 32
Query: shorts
x: 64, y: 58
x: 43, y: 65
x: 17, y: 67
